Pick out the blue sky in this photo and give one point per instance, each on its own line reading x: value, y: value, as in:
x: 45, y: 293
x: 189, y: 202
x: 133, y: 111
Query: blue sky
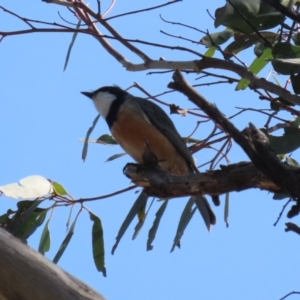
x: 42, y: 117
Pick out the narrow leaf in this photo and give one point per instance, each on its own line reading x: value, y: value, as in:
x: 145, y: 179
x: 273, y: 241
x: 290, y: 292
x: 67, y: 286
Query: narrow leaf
x: 210, y: 52
x: 69, y: 218
x: 23, y: 214
x: 142, y: 198
x: 226, y: 209
x: 85, y: 145
x: 281, y: 196
x: 4, y: 219
x: 71, y: 45
x: 256, y: 66
x: 36, y: 219
x: 185, y: 218
x: 115, y: 156
x: 153, y: 229
x: 292, y: 162
x: 45, y: 241
x: 141, y: 214
x: 65, y: 243
x: 98, y: 244
x: 106, y: 139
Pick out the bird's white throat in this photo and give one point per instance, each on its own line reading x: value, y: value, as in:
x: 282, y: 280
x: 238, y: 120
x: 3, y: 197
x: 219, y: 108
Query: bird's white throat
x: 103, y: 102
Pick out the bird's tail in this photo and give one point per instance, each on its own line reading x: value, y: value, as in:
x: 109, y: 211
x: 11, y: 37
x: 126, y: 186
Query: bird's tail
x: 205, y: 210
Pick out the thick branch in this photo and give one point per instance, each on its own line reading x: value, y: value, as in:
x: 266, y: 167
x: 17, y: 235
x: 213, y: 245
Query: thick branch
x: 252, y: 141
x: 194, y: 65
x: 235, y: 177
x: 210, y: 62
x: 26, y: 274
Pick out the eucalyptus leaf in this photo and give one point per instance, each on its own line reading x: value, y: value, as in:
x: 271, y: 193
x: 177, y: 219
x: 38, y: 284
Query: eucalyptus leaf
x: 140, y: 201
x: 256, y: 66
x: 226, y: 210
x: 154, y: 228
x: 98, y: 244
x: 85, y: 145
x: 45, y: 241
x: 185, y: 218
x: 71, y: 45
x: 65, y: 243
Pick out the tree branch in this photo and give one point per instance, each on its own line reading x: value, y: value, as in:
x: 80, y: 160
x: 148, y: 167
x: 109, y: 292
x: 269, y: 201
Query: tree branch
x: 194, y: 65
x: 26, y: 274
x: 235, y: 177
x: 254, y: 143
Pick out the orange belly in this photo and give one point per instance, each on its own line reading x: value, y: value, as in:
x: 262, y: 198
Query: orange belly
x: 131, y: 132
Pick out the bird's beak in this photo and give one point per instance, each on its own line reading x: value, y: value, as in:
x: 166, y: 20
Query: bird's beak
x: 88, y: 94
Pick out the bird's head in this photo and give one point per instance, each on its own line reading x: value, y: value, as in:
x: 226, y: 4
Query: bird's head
x: 104, y: 97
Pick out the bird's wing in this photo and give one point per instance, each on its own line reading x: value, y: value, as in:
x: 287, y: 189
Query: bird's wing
x: 165, y: 125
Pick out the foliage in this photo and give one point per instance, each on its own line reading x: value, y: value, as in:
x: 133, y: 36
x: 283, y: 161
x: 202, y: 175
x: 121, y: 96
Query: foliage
x: 264, y: 27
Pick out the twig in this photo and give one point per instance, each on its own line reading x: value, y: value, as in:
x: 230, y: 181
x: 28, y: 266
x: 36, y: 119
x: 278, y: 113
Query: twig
x: 252, y: 140
x: 289, y: 294
x: 81, y: 200
x: 179, y: 37
x: 181, y: 24
x: 154, y: 97
x: 142, y: 10
x: 281, y: 213
x: 259, y: 111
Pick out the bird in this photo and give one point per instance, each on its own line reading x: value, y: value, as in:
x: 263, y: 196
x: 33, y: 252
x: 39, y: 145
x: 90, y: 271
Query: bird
x: 135, y: 122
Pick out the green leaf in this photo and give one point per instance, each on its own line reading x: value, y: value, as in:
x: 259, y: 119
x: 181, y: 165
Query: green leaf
x: 25, y: 210
x: 292, y: 162
x: 140, y: 201
x: 256, y: 66
x: 35, y: 220
x: 286, y: 143
x: 106, y: 139
x: 85, y: 145
x: 286, y: 58
x: 185, y: 218
x: 71, y: 45
x: 296, y: 123
x: 69, y: 218
x: 259, y: 49
x: 45, y: 241
x: 276, y: 80
x: 243, y: 41
x: 98, y: 244
x: 226, y: 209
x: 4, y: 219
x: 295, y: 79
x: 59, y: 189
x: 296, y: 38
x: 210, y: 52
x: 217, y: 38
x: 280, y: 196
x: 237, y: 46
x: 141, y: 214
x: 153, y: 229
x: 115, y: 156
x: 260, y: 15
x: 65, y: 243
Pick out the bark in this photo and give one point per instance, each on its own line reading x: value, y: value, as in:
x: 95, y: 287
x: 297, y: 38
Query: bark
x: 235, y: 177
x: 254, y: 143
x: 26, y: 274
